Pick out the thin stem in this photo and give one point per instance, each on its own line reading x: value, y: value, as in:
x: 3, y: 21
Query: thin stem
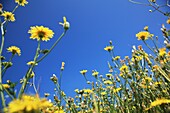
x: 149, y: 47
x: 138, y: 2
x: 1, y: 89
x: 60, y: 87
x: 34, y: 85
x: 27, y: 76
x: 57, y: 41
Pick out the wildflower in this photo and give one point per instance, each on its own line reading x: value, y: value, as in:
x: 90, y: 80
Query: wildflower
x: 108, y: 82
x: 156, y: 83
x: 146, y: 28
x: 66, y: 24
x: 21, y: 2
x: 28, y: 104
x: 95, y: 73
x: 103, y: 93
x: 124, y: 68
x: 117, y: 58
x: 155, y: 67
x: 46, y: 94
x: 32, y: 63
x: 108, y: 48
x: 6, y: 86
x: 14, y: 50
x: 158, y: 102
x: 40, y: 33
x: 143, y: 35
x: 83, y: 72
x: 8, y: 16
x: 76, y: 90
x: 87, y: 90
x: 109, y: 75
x: 168, y: 21
x: 148, y: 79
x: 162, y: 51
x: 117, y: 90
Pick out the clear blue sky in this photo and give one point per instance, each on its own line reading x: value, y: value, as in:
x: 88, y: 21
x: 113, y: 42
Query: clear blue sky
x: 93, y: 24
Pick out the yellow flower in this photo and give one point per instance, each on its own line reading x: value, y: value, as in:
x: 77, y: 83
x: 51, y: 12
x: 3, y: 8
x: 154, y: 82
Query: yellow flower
x: 143, y: 35
x: 103, y: 93
x: 117, y: 90
x: 117, y: 58
x: 14, y: 50
x: 95, y: 73
x: 158, y: 102
x: 124, y: 68
x: 108, y: 48
x: 6, y: 86
x: 162, y: 51
x: 32, y: 63
x: 21, y: 2
x: 146, y: 28
x: 168, y: 21
x: 41, y: 33
x: 59, y: 111
x: 87, y: 90
x: 28, y: 104
x: 83, y: 72
x: 148, y: 79
x: 109, y: 75
x: 8, y: 16
x: 108, y: 82
x: 66, y: 24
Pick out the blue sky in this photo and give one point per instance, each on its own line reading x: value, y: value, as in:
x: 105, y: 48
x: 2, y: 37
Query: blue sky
x: 93, y: 24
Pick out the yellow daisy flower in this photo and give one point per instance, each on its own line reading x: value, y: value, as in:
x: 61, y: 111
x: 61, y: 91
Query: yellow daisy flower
x: 95, y: 73
x: 117, y: 90
x: 87, y: 90
x: 143, y: 35
x: 6, y: 86
x: 83, y: 72
x: 14, y: 50
x: 40, y: 33
x: 158, y: 102
x: 21, y: 2
x: 162, y: 51
x: 8, y: 16
x: 28, y: 104
x: 124, y: 68
x: 103, y: 93
x: 108, y: 48
x: 108, y: 82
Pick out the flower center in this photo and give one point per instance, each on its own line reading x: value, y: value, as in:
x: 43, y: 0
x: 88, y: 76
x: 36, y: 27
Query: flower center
x: 8, y: 17
x: 20, y: 1
x: 142, y: 37
x: 41, y: 34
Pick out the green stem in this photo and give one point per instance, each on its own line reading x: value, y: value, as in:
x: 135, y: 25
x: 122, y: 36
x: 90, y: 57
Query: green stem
x: 149, y: 47
x: 1, y: 89
x: 27, y: 76
x: 57, y: 41
x: 60, y: 87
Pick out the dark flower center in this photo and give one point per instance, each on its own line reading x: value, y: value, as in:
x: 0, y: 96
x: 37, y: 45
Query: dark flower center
x: 41, y: 34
